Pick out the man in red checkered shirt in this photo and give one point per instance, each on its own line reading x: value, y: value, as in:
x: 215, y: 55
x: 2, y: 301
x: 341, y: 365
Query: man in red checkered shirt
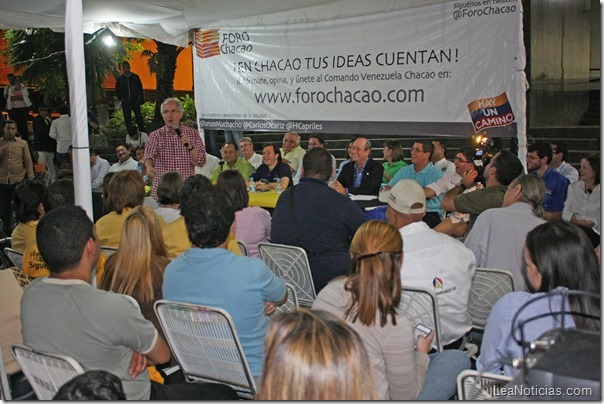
x: 174, y: 147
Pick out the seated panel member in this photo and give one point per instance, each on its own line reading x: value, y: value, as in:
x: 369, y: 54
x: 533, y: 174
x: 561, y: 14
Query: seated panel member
x: 363, y: 175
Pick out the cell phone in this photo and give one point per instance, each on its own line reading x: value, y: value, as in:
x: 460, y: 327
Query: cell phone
x: 423, y: 330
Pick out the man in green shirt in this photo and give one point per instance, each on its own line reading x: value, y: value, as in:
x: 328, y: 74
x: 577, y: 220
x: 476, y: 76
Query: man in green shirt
x: 231, y: 161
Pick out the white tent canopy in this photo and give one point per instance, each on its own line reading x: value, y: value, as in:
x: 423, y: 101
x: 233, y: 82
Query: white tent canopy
x: 168, y: 21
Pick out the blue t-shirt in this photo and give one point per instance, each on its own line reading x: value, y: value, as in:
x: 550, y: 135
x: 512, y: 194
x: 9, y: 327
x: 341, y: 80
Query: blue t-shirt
x: 281, y: 170
x: 556, y: 187
x: 427, y: 176
x: 240, y: 285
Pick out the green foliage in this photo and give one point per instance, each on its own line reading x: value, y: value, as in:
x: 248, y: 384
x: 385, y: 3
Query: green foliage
x: 189, y: 104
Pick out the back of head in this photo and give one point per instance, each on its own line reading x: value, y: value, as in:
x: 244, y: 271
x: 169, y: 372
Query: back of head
x: 543, y: 149
x: 58, y: 193
x: 533, y: 192
x: 168, y: 188
x: 561, y: 148
x: 565, y: 257
x: 126, y: 190
x: 63, y: 109
x: 28, y: 197
x: 208, y: 215
x: 375, y: 281
x: 508, y: 167
x: 313, y: 355
x: 232, y: 183
x: 92, y: 385
x: 62, y: 235
x: 316, y: 163
x: 192, y: 184
x: 132, y: 130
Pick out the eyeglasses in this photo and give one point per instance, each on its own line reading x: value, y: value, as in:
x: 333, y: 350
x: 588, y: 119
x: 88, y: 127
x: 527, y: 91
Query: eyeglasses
x: 460, y: 160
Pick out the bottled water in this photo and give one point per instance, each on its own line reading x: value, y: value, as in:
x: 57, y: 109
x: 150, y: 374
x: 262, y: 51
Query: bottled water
x: 278, y: 187
x: 252, y: 186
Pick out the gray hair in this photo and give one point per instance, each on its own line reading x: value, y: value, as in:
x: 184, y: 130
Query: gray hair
x: 246, y: 139
x: 174, y: 100
x: 533, y: 192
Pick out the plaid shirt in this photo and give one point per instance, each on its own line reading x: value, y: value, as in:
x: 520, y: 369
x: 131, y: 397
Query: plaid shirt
x: 168, y: 154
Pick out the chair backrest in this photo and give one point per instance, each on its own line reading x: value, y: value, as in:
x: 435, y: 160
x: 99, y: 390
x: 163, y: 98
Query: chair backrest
x: 470, y: 387
x: 244, y: 248
x: 5, y: 393
x: 205, y: 343
x: 291, y: 304
x: 290, y: 264
x: 421, y: 306
x: 488, y: 286
x: 16, y: 257
x: 45, y: 372
x: 108, y: 251
x: 4, y: 261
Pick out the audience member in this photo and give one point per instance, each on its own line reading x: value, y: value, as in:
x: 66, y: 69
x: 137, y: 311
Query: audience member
x: 135, y: 137
x: 432, y: 260
x: 247, y: 151
x: 139, y: 155
x: 558, y: 162
x: 99, y: 167
x: 292, y: 153
x: 503, y: 168
x: 465, y: 175
x: 583, y: 200
x: 168, y: 191
x: 11, y: 82
x: 318, y: 219
x: 124, y: 159
x: 363, y: 175
x: 28, y: 208
x: 18, y: 105
x: 60, y: 130
x: 348, y: 155
x: 129, y: 90
x: 537, y: 160
x: 210, y: 275
x: 271, y: 170
x: 231, y: 161
x: 173, y: 147
x: 315, y: 141
x: 393, y: 159
x: 15, y: 165
x: 58, y: 193
x: 92, y: 385
x: 498, y: 236
x: 424, y: 173
x: 313, y: 355
x: 252, y: 223
x: 439, y: 158
x: 126, y: 192
x: 65, y: 169
x: 558, y: 255
x: 43, y: 143
x: 106, y: 330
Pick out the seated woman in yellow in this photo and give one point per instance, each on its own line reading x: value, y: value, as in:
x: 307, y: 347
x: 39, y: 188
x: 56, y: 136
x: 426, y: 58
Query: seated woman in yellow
x: 28, y: 206
x: 35, y: 267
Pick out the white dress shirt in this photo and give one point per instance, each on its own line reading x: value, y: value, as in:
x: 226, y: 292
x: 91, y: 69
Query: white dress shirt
x: 446, y: 166
x: 568, y: 171
x: 583, y: 205
x: 129, y: 164
x: 60, y: 130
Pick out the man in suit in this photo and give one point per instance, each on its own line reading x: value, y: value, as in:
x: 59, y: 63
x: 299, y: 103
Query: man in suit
x: 363, y: 175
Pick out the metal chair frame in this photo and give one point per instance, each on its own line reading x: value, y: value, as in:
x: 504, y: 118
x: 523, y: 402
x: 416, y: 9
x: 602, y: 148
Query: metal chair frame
x: 16, y: 257
x: 421, y: 306
x: 244, y: 248
x: 474, y: 386
x: 291, y: 304
x: 488, y: 286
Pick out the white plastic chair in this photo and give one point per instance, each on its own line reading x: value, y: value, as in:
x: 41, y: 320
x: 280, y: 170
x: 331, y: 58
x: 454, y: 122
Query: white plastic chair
x: 16, y: 257
x: 243, y: 248
x: 291, y: 304
x: 469, y: 387
x: 421, y: 306
x: 205, y: 343
x: 45, y: 372
x: 108, y: 251
x: 290, y: 263
x: 488, y: 286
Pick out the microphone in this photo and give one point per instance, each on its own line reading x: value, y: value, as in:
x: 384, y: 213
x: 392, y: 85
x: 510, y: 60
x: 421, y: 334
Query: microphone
x: 179, y: 133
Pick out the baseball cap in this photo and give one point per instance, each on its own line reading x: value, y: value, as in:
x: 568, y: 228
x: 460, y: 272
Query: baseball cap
x: 406, y: 196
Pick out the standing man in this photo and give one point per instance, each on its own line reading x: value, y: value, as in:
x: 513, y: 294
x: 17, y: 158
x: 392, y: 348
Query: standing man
x: 174, y: 147
x: 129, y: 90
x: 424, y: 172
x: 558, y: 163
x: 15, y: 166
x: 60, y: 130
x: 247, y: 151
x: 232, y: 161
x: 43, y: 143
x: 363, y: 175
x: 439, y: 158
x: 291, y: 152
x: 538, y: 157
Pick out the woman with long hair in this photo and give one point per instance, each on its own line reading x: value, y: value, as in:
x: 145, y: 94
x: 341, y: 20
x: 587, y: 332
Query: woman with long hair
x: 368, y: 300
x: 558, y: 255
x: 393, y: 159
x: 29, y: 209
x: 252, y: 223
x: 583, y: 200
x: 313, y: 355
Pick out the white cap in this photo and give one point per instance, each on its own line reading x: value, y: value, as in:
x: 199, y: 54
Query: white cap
x: 407, y: 196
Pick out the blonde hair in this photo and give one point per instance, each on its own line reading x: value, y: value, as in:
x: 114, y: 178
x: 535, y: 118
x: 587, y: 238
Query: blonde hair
x: 532, y: 192
x: 130, y: 270
x: 375, y: 273
x: 313, y: 355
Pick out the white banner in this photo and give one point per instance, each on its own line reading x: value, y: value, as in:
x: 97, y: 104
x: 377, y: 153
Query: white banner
x: 407, y: 72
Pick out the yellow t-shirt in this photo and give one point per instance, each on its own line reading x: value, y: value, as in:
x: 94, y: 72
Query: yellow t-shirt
x: 35, y: 267
x: 177, y: 241
x: 24, y: 235
x: 109, y: 228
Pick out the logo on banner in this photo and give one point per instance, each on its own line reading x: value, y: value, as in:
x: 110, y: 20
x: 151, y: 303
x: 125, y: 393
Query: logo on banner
x: 491, y: 112
x: 207, y: 43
